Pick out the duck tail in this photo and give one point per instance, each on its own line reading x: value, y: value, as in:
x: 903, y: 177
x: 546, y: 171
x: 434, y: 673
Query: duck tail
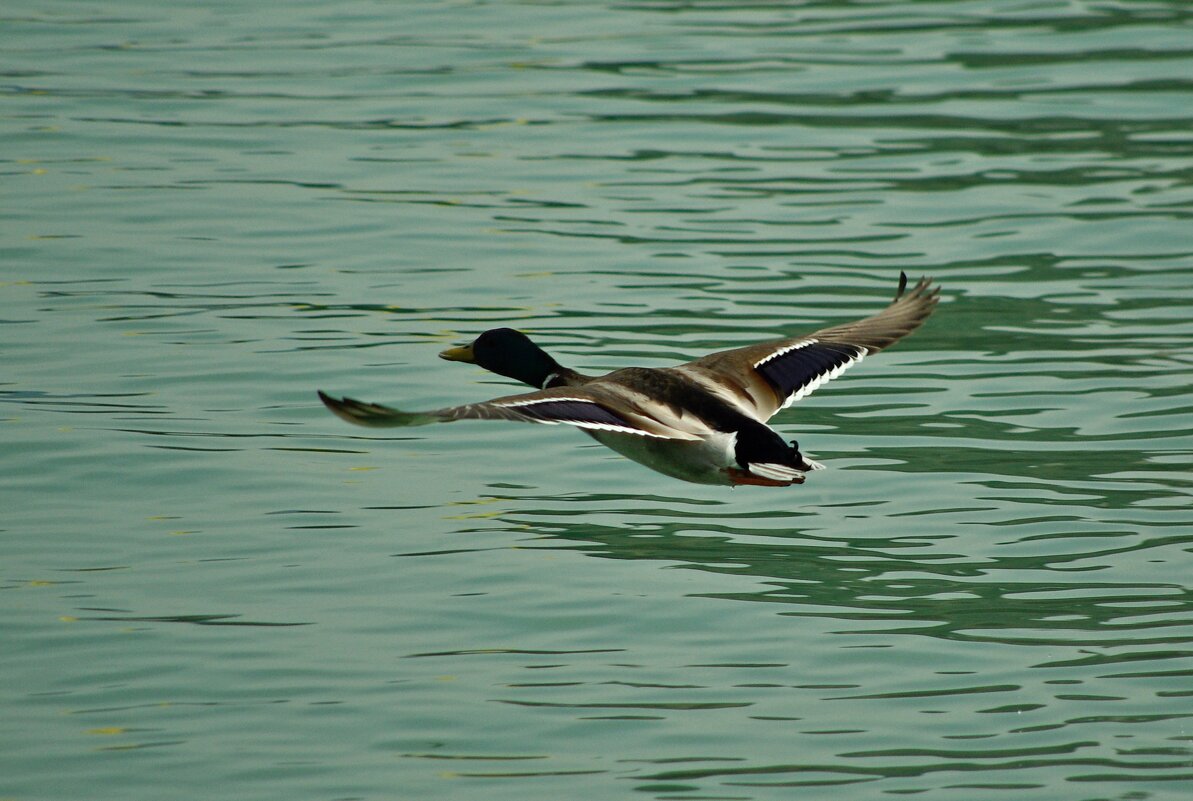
x: 802, y: 461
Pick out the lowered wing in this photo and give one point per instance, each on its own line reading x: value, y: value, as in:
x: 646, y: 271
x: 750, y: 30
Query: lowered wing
x: 576, y: 406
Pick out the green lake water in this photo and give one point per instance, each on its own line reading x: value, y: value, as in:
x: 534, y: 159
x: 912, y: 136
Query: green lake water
x: 213, y: 589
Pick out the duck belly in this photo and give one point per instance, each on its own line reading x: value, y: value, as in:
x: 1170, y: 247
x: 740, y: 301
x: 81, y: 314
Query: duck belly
x: 703, y: 461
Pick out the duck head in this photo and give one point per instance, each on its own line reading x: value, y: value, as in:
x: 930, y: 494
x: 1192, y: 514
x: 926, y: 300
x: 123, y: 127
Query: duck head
x: 509, y: 353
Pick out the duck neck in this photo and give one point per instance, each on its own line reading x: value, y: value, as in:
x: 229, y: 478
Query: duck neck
x: 535, y: 368
x: 561, y: 377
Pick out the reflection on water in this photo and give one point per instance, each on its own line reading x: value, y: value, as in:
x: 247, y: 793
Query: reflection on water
x: 1048, y: 595
x: 916, y: 573
x: 218, y: 209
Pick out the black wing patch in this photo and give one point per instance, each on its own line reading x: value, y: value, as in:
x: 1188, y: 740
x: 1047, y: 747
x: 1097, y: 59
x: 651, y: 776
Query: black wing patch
x: 803, y: 366
x: 577, y: 411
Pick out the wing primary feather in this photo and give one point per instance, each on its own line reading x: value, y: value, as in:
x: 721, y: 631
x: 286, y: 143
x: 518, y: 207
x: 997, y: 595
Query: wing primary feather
x: 374, y: 415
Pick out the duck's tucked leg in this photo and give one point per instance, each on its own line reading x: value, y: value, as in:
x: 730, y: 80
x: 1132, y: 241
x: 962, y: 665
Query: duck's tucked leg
x: 737, y: 476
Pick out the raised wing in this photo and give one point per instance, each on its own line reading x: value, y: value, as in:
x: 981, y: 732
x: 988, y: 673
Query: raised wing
x: 764, y: 378
x: 575, y: 406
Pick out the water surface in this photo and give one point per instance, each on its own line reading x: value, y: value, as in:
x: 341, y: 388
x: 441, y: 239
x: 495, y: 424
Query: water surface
x: 214, y: 589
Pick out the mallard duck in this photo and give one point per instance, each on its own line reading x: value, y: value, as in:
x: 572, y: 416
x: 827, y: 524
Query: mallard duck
x: 703, y: 421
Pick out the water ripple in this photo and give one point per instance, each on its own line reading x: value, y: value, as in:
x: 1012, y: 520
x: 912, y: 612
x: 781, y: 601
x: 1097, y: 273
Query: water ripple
x: 223, y: 209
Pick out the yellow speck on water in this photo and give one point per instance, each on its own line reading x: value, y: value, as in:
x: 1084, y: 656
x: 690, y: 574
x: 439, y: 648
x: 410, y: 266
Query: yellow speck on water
x: 448, y: 774
x: 182, y: 532
x: 108, y: 730
x: 66, y: 429
x: 162, y: 517
x: 39, y: 171
x: 361, y: 469
x: 40, y: 583
x: 68, y: 618
x: 445, y: 678
x: 476, y: 516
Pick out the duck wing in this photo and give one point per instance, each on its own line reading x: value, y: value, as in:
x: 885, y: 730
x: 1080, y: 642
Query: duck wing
x: 593, y: 408
x: 762, y: 379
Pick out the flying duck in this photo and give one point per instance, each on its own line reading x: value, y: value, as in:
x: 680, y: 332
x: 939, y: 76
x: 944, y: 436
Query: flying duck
x: 703, y: 421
